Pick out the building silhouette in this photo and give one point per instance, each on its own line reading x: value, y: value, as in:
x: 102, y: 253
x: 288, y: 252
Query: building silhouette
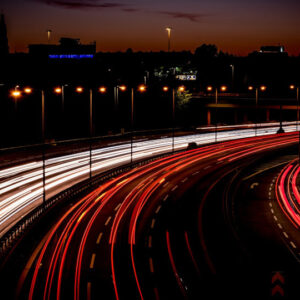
x: 4, y: 49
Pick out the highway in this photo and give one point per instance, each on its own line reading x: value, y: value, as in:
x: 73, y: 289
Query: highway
x: 166, y: 230
x: 21, y: 186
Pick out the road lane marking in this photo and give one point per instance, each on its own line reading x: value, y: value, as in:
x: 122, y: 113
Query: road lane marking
x: 165, y: 184
x: 270, y: 204
x: 152, y: 223
x: 285, y: 234
x: 166, y: 197
x: 158, y: 209
x: 117, y: 207
x: 92, y: 261
x: 293, y: 245
x: 279, y: 225
x: 275, y: 218
x: 150, y: 241
x: 174, y: 188
x: 207, y: 167
x: 195, y: 173
x: 151, y: 265
x: 99, y: 238
x: 184, y: 180
x: 108, y: 220
x: 272, y: 211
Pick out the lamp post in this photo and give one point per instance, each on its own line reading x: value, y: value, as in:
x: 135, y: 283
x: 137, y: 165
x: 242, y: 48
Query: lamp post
x: 142, y: 89
x: 223, y: 88
x: 262, y: 88
x: 232, y: 75
x: 28, y: 91
x: 293, y: 87
x: 118, y: 88
x: 169, y: 38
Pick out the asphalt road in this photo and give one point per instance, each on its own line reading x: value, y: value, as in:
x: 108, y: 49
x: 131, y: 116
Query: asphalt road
x: 189, y: 226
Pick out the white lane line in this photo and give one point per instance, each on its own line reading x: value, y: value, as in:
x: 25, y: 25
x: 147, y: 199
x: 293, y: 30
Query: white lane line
x: 150, y: 241
x: 293, y: 245
x: 174, y: 188
x: 270, y: 204
x: 151, y: 265
x: 166, y: 197
x: 158, y: 209
x: 117, y: 207
x: 152, y: 223
x: 272, y: 210
x: 184, y: 180
x: 279, y: 225
x: 275, y: 218
x: 195, y: 173
x: 285, y: 234
x: 99, y: 238
x: 206, y: 167
x: 165, y: 184
x: 92, y: 261
x: 108, y: 220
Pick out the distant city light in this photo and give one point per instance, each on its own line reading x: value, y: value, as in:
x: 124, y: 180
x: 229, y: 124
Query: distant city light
x: 292, y: 87
x: 209, y: 88
x: 165, y: 88
x: 70, y: 56
x: 223, y: 88
x: 250, y: 88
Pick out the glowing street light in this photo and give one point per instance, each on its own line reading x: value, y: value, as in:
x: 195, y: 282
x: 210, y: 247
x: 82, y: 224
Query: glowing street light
x: 262, y: 88
x: 58, y: 90
x: 209, y: 88
x: 28, y: 90
x: 79, y: 89
x: 102, y: 89
x: 223, y: 88
x: 122, y: 88
x: 165, y: 88
x: 181, y: 89
x: 142, y: 88
x: 16, y: 94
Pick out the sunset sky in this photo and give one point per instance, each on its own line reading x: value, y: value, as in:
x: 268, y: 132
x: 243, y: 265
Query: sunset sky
x: 235, y: 26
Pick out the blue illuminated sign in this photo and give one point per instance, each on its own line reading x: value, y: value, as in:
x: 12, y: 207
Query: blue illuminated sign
x: 70, y: 56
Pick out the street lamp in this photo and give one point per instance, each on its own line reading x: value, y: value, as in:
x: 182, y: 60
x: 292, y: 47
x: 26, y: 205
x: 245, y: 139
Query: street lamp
x: 169, y: 38
x: 232, y: 75
x: 262, y: 88
x: 142, y: 89
x: 223, y: 88
x: 122, y: 88
x: 293, y: 87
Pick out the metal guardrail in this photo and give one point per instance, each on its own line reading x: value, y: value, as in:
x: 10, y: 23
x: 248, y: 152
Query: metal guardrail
x: 11, y: 237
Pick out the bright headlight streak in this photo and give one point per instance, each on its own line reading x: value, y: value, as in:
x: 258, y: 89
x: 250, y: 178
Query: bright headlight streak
x: 64, y: 170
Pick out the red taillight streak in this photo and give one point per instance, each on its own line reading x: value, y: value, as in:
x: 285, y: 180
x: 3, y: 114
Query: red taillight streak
x: 279, y: 187
x: 32, y: 286
x: 173, y: 265
x: 191, y: 252
x: 294, y: 185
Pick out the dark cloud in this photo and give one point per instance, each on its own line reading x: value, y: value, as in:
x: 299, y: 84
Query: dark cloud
x: 81, y: 4
x: 131, y: 9
x: 182, y: 15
